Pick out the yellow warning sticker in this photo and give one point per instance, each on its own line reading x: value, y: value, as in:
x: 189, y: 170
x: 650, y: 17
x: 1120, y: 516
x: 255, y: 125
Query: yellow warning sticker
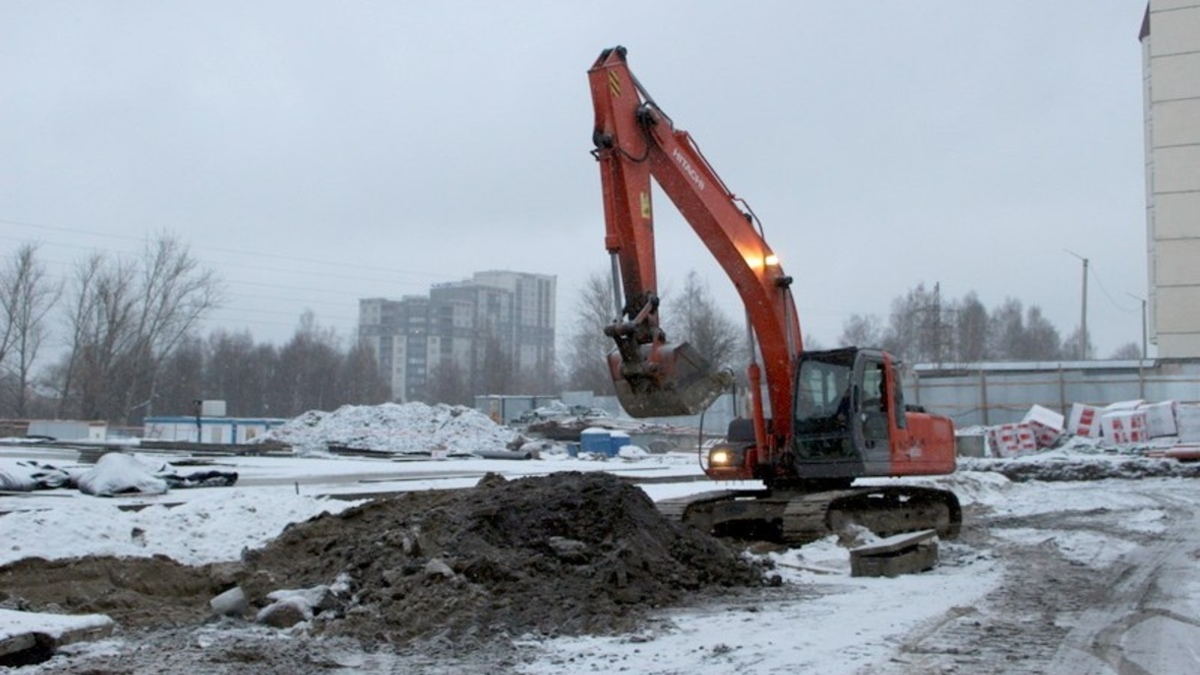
x: 646, y: 205
x: 614, y: 83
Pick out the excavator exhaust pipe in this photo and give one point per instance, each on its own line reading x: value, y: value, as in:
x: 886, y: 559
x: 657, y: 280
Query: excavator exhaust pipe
x: 668, y: 381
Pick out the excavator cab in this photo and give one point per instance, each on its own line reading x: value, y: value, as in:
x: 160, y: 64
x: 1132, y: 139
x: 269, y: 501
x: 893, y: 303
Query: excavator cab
x: 843, y: 399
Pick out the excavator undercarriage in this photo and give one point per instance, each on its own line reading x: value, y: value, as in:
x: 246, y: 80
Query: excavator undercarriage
x: 796, y: 518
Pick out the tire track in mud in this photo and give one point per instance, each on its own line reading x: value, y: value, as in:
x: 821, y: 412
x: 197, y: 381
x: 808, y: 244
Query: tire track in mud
x: 1052, y: 615
x: 1148, y: 586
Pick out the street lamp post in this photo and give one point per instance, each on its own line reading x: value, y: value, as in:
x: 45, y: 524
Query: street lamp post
x: 1145, y: 334
x: 1083, y: 333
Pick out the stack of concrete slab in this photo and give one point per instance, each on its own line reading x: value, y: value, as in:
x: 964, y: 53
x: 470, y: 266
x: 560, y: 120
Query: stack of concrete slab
x: 1123, y: 424
x: 1011, y: 440
x: 1084, y: 420
x: 1187, y: 422
x: 1160, y: 419
x: 1047, y: 426
x: 1135, y: 422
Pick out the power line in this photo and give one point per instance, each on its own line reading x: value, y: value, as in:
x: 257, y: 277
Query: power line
x: 216, y: 249
x: 1108, y: 295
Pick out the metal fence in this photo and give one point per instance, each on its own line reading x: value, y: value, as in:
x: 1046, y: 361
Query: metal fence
x: 979, y: 393
x: 998, y: 393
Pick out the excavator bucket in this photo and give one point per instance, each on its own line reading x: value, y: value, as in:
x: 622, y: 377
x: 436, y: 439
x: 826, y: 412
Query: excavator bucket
x: 669, y: 380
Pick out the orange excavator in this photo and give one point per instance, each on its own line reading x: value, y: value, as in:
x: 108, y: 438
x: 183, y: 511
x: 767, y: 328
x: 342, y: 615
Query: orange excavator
x: 834, y: 416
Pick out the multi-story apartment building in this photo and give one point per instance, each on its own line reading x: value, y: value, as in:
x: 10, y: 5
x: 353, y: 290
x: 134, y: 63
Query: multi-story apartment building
x: 494, y: 329
x: 397, y: 331
x: 1170, y: 37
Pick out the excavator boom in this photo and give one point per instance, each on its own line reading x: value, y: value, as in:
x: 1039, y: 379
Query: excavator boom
x: 635, y: 142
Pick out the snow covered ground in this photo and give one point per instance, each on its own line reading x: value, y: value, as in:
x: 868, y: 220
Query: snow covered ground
x: 1033, y: 584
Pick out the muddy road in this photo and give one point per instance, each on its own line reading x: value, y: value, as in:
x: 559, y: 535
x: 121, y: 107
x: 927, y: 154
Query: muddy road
x: 1084, y: 592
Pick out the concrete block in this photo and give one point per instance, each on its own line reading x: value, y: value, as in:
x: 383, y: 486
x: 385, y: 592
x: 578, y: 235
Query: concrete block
x: 908, y: 553
x: 1047, y: 425
x: 1160, y: 418
x: 1124, y: 427
x: 1084, y: 420
x: 1010, y: 440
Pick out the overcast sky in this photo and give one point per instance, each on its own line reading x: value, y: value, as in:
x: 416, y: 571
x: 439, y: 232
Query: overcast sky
x: 315, y: 153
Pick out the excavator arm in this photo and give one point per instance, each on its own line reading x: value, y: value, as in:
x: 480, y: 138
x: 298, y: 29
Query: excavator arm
x: 636, y: 141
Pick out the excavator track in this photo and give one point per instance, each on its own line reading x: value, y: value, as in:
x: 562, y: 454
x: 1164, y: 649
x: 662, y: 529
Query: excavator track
x: 797, y: 518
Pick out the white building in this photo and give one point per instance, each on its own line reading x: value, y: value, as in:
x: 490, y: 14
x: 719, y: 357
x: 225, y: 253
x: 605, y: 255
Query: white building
x: 1170, y: 37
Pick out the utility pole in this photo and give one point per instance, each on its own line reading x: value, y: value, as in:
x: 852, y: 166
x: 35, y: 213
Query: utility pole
x: 937, y: 323
x: 1083, y: 332
x: 1145, y: 334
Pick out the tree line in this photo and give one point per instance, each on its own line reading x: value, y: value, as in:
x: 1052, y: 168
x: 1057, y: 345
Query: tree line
x: 129, y: 344
x: 922, y: 327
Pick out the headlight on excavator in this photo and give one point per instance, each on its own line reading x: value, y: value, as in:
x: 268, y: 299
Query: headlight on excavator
x: 725, y: 455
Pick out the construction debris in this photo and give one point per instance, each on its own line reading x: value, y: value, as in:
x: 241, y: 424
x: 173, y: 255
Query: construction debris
x: 31, y: 637
x: 907, y: 553
x: 1152, y: 428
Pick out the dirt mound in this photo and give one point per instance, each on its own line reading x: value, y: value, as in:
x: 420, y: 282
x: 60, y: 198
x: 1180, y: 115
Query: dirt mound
x: 135, y: 592
x: 567, y: 553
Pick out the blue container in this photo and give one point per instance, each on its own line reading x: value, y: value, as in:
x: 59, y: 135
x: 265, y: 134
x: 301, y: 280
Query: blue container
x: 617, y: 440
x: 596, y: 441
x: 572, y: 449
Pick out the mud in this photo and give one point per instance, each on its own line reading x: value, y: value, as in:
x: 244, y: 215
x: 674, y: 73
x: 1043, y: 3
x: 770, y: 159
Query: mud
x: 570, y: 553
x: 135, y: 592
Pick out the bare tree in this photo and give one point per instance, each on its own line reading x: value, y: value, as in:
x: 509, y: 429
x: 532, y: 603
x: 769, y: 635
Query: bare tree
x: 1128, y: 351
x: 1041, y: 341
x: 693, y: 316
x: 182, y: 379
x: 27, y: 295
x: 447, y: 383
x: 586, y: 364
x: 971, y: 330
x: 307, y: 374
x: 359, y: 377
x: 1072, y: 347
x: 910, y: 326
x: 175, y: 294
x: 861, y: 330
x: 1006, y: 329
x: 239, y: 372
x: 102, y: 312
x: 494, y: 375
x: 124, y: 318
x: 540, y: 378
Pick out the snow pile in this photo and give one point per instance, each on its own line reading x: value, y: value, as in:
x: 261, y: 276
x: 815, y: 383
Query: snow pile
x: 16, y: 624
x: 215, y: 527
x: 26, y: 475
x: 409, y: 428
x: 117, y: 473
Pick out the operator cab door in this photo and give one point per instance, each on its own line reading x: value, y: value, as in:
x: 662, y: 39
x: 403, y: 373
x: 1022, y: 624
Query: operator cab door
x: 871, y: 428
